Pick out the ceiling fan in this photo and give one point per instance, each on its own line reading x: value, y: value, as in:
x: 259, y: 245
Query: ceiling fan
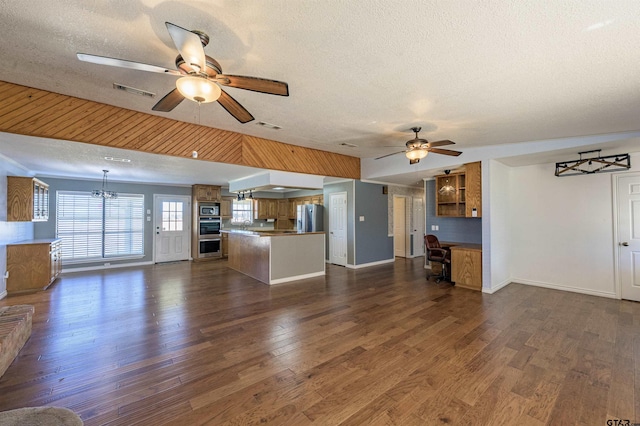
x: 418, y: 148
x: 200, y: 75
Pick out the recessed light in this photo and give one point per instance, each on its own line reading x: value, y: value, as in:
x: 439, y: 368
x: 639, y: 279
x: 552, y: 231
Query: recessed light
x: 278, y: 188
x: 269, y: 125
x: 118, y: 160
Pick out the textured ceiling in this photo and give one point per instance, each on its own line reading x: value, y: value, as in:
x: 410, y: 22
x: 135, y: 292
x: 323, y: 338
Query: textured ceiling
x: 476, y: 72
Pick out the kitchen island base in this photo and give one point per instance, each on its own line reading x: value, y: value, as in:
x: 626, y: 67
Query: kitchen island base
x: 275, y: 258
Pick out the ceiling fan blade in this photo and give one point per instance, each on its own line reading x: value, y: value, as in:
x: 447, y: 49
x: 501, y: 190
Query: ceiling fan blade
x: 104, y: 60
x: 441, y: 143
x: 234, y: 108
x: 189, y: 45
x: 389, y: 155
x: 444, y: 151
x: 169, y: 102
x: 255, y: 84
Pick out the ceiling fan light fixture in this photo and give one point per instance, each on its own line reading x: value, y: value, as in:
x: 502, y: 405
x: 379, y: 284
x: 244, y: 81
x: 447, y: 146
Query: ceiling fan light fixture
x: 198, y: 89
x: 416, y: 154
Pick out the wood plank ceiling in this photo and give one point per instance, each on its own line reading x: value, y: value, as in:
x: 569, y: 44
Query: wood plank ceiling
x: 34, y: 112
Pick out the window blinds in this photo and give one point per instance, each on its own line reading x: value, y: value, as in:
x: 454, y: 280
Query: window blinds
x: 96, y: 228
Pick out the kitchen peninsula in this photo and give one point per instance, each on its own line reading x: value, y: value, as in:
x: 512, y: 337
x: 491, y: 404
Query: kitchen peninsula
x: 275, y: 257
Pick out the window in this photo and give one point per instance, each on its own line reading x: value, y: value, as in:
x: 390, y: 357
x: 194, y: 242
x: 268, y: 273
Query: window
x: 96, y: 228
x: 242, y: 212
x: 172, y: 215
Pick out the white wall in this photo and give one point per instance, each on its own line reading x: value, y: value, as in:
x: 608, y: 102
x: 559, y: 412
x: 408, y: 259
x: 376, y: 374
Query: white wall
x: 561, y: 229
x: 496, y: 225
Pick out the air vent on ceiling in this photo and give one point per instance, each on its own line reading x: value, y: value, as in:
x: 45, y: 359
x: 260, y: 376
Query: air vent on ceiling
x: 269, y: 125
x: 133, y: 90
x: 350, y: 145
x: 119, y: 160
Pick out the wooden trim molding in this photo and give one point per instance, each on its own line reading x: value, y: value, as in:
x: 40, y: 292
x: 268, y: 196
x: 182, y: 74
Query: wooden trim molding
x: 34, y: 112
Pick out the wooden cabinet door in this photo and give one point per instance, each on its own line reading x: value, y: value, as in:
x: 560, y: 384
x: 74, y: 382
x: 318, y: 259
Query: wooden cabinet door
x: 466, y: 268
x: 292, y: 209
x: 317, y: 199
x: 27, y: 199
x: 473, y: 189
x: 273, y: 209
x: 226, y: 206
x: 206, y: 192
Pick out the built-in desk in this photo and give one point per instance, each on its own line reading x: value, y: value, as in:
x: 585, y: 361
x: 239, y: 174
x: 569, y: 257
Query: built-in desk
x: 466, y: 264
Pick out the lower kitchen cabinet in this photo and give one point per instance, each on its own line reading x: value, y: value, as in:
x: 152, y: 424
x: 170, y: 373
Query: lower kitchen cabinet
x: 33, y: 265
x: 466, y: 266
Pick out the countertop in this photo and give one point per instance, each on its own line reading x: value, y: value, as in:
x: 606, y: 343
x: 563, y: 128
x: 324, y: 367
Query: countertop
x: 38, y: 241
x: 269, y: 233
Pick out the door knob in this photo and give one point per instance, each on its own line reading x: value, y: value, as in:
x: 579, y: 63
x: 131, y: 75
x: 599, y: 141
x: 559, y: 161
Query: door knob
x: 625, y: 244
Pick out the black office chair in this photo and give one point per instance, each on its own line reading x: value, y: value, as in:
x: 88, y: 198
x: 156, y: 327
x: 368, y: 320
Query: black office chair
x: 438, y: 254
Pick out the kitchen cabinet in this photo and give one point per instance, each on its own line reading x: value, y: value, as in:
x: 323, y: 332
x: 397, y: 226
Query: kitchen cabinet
x: 265, y: 208
x: 459, y: 194
x: 298, y: 201
x: 206, y: 192
x: 466, y: 266
x: 27, y: 199
x: 226, y: 206
x: 225, y: 244
x: 473, y: 178
x: 33, y: 265
x: 283, y: 221
x: 450, y: 195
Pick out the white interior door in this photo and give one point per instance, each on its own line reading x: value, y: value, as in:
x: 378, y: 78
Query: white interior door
x: 417, y: 229
x: 338, y: 228
x: 399, y: 227
x: 173, y: 226
x: 628, y: 196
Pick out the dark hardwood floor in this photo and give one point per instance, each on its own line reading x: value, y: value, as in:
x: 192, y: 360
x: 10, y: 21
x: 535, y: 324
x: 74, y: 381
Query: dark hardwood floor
x: 199, y: 343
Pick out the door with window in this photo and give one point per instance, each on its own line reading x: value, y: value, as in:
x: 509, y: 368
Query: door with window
x: 172, y: 226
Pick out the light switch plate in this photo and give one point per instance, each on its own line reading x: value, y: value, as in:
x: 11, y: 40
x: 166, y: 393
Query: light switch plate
x: 361, y: 218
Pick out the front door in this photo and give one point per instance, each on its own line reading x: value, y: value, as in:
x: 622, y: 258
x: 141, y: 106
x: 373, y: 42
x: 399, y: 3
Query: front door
x: 172, y: 227
x: 628, y: 238
x: 338, y: 228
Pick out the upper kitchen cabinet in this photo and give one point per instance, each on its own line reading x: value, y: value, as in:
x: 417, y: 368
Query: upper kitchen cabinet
x: 226, y: 206
x: 473, y: 206
x: 459, y: 194
x: 206, y: 192
x: 265, y: 208
x: 27, y: 199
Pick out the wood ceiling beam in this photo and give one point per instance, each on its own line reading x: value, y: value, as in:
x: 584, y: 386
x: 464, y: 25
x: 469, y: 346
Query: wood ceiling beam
x: 34, y: 112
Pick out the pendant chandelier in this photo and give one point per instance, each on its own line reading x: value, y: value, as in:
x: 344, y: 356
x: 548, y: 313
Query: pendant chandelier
x: 104, y: 192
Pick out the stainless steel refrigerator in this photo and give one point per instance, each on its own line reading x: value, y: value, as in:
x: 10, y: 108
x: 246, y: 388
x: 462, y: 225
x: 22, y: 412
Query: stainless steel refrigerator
x: 309, y: 218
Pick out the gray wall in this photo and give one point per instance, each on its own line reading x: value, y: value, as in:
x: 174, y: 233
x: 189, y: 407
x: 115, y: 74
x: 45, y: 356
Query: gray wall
x: 372, y: 241
x: 10, y: 232
x: 48, y: 229
x: 457, y: 229
x: 346, y: 186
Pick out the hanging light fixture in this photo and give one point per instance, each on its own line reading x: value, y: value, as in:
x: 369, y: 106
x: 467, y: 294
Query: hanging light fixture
x: 198, y: 89
x: 104, y: 192
x: 447, y: 188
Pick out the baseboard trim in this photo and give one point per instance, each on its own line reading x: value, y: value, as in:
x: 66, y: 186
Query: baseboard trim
x: 3, y: 294
x: 297, y: 277
x: 366, y: 265
x: 497, y: 287
x: 99, y: 267
x: 566, y: 288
